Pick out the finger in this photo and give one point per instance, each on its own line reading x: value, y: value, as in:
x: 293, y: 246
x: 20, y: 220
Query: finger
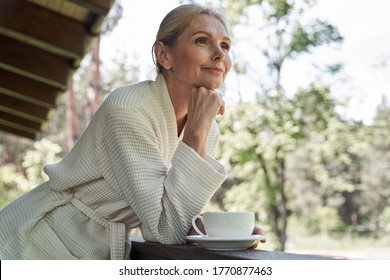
x: 259, y: 231
x: 218, y: 93
x: 254, y: 246
x: 222, y: 102
x: 221, y: 110
x: 222, y: 107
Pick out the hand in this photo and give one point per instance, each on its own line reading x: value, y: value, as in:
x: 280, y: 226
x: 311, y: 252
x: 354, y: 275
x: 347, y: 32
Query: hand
x: 203, y: 106
x: 258, y: 231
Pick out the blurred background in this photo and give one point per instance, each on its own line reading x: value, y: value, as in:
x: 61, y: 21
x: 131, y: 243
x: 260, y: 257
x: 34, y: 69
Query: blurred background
x: 306, y: 134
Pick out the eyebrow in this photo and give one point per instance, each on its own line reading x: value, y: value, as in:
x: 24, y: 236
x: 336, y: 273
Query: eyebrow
x: 209, y: 35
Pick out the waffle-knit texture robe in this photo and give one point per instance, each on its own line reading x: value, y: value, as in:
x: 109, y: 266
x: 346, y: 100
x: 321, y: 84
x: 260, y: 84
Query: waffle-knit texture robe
x: 129, y: 169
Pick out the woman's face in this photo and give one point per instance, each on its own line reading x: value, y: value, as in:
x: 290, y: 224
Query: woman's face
x: 200, y: 56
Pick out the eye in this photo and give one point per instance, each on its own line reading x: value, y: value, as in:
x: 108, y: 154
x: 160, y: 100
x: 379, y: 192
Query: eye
x: 225, y: 46
x: 202, y: 41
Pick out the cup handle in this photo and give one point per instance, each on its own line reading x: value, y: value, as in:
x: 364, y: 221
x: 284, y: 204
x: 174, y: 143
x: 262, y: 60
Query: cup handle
x: 194, y: 224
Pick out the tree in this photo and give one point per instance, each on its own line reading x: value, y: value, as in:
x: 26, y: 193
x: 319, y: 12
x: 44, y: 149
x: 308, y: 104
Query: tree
x: 16, y: 179
x: 375, y: 187
x: 273, y: 131
x: 326, y: 170
x: 72, y: 131
x: 263, y: 151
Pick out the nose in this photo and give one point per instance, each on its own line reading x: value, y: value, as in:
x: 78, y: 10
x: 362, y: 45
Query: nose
x: 219, y: 53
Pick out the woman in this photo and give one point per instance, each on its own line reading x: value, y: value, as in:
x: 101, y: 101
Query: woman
x: 145, y: 160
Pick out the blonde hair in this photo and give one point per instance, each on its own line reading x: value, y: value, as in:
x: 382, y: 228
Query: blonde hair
x: 177, y: 21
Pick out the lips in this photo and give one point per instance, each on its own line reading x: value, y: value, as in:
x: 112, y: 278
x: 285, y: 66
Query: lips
x: 214, y: 69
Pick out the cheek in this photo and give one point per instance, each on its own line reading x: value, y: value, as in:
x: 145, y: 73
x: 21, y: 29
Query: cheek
x: 186, y: 60
x: 228, y: 63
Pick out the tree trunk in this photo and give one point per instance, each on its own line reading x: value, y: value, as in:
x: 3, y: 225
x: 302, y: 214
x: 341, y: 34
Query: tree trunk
x: 71, y: 116
x: 94, y: 84
x: 276, y: 210
x: 283, y: 205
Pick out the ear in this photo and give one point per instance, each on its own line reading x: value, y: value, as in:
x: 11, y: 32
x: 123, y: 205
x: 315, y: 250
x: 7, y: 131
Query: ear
x: 161, y: 51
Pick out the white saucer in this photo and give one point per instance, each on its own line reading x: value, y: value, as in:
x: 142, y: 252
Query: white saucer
x: 225, y: 243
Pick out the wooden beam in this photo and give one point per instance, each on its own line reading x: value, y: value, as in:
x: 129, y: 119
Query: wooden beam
x: 100, y: 7
x: 30, y: 111
x: 42, y: 28
x: 28, y: 89
x: 20, y: 114
x: 16, y: 131
x: 32, y: 125
x: 34, y: 63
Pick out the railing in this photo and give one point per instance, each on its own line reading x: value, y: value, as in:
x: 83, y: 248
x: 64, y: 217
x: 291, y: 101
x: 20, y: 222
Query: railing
x: 144, y: 250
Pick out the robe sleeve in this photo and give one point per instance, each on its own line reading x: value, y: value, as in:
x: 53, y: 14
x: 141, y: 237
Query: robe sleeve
x: 164, y: 199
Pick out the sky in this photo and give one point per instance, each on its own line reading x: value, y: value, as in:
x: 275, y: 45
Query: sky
x: 365, y: 51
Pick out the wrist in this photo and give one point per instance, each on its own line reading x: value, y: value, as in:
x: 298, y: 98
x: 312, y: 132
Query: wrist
x: 197, y: 141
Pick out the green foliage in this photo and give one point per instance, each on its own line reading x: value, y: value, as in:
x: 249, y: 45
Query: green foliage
x: 385, y: 219
x: 279, y: 8
x: 313, y: 108
x: 259, y: 141
x: 318, y: 33
x: 324, y: 220
x: 335, y: 170
x: 14, y: 183
x: 234, y: 9
x: 241, y: 197
x: 44, y: 152
x: 113, y: 18
x: 374, y: 189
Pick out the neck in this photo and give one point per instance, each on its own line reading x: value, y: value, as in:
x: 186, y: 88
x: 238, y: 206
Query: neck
x: 179, y: 97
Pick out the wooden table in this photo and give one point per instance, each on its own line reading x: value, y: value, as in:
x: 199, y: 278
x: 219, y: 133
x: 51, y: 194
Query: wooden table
x: 144, y: 250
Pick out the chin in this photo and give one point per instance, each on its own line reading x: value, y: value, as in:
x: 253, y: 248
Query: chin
x: 217, y: 86
x: 213, y: 84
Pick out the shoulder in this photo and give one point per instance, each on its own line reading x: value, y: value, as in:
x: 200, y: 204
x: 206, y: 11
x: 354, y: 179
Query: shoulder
x: 130, y: 96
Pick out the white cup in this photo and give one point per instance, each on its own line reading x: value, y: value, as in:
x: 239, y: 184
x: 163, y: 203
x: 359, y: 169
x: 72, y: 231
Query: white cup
x: 226, y: 224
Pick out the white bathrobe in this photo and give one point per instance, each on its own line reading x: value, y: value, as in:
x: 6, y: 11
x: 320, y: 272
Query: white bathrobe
x: 129, y: 169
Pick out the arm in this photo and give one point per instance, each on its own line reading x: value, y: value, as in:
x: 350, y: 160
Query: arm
x: 164, y: 200
x: 203, y: 106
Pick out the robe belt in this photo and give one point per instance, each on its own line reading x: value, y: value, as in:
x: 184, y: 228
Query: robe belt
x: 117, y: 230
